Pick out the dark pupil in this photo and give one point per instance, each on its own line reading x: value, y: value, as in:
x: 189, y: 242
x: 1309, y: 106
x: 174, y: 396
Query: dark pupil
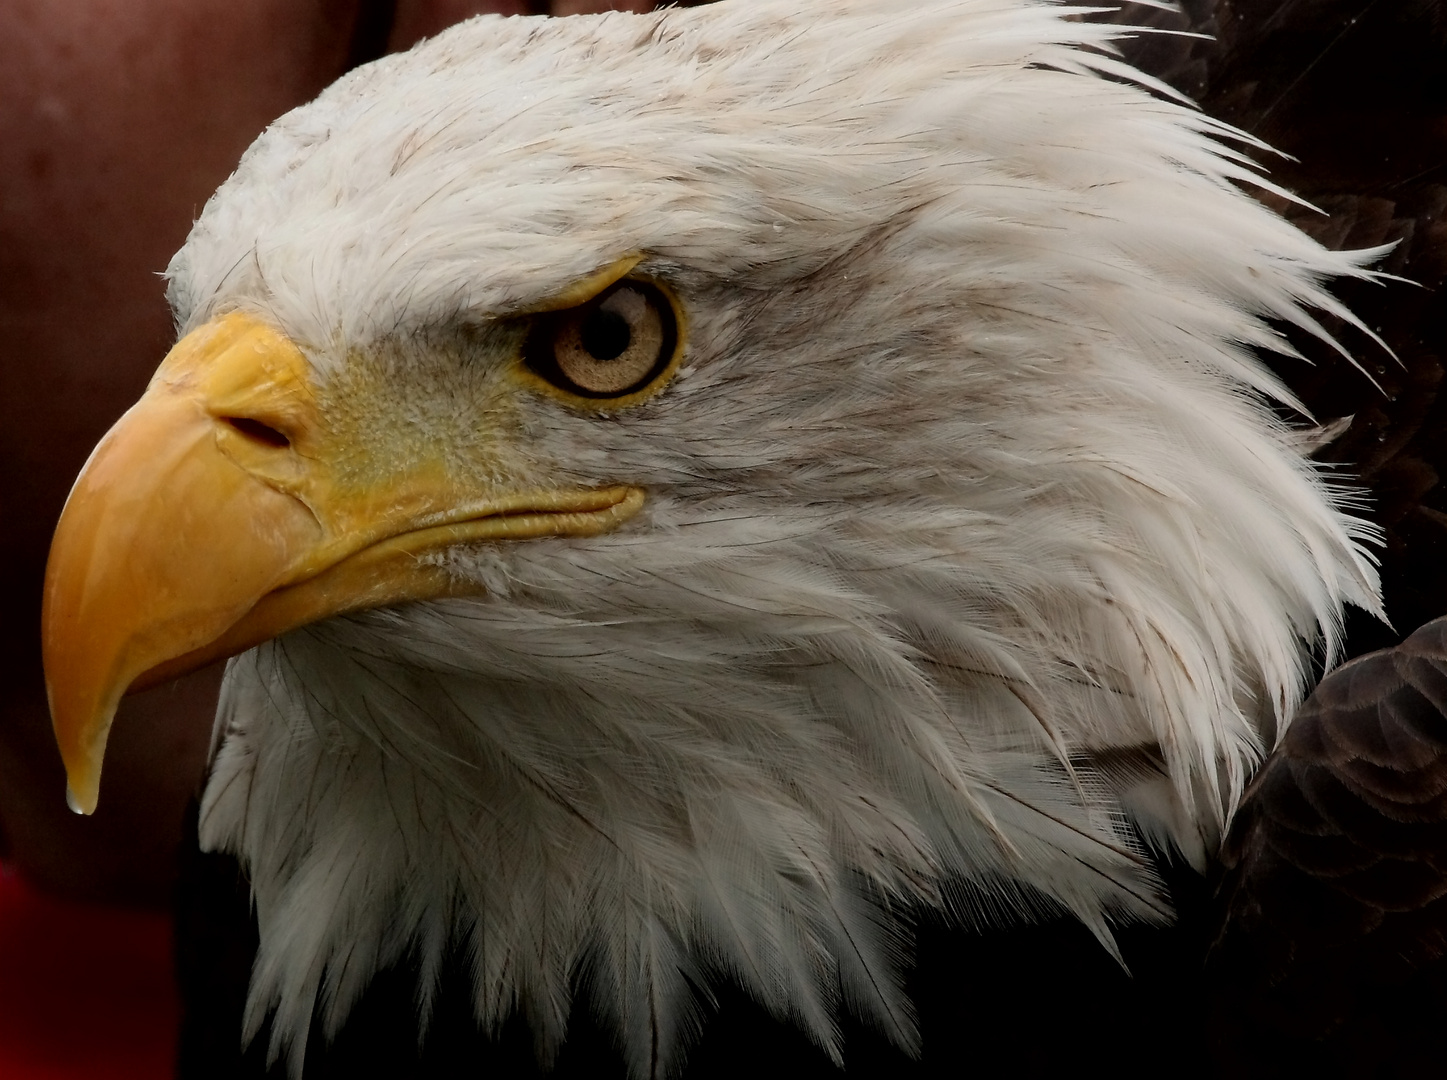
x: 605, y: 334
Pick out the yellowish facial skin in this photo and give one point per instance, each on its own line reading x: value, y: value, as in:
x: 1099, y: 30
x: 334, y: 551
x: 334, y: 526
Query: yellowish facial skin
x: 232, y: 504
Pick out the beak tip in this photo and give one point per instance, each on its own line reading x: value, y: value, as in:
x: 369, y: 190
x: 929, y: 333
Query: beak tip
x: 82, y: 746
x: 77, y: 804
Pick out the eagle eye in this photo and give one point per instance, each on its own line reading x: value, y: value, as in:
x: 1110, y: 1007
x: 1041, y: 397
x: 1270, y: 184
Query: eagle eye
x: 616, y: 344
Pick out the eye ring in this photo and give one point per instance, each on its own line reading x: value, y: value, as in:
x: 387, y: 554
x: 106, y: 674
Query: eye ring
x: 618, y: 344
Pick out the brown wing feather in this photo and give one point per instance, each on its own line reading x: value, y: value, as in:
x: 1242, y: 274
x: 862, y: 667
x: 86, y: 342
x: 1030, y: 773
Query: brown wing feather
x: 1332, y: 910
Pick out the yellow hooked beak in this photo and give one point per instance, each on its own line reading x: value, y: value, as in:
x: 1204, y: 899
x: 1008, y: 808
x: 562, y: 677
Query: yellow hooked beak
x: 222, y: 510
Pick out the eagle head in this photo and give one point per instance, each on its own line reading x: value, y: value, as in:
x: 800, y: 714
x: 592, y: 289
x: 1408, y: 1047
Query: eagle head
x: 684, y: 490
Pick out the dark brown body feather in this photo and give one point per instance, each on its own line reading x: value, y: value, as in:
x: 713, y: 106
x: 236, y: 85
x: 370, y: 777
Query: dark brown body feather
x: 1333, y: 905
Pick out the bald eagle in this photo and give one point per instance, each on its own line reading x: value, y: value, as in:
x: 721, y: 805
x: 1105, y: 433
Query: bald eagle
x: 686, y: 493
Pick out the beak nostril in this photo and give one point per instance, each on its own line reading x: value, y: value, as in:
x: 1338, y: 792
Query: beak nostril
x: 257, y: 431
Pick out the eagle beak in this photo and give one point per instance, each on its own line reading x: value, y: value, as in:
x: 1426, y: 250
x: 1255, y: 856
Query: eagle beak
x: 222, y: 510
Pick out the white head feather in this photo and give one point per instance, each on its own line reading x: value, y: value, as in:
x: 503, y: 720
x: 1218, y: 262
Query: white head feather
x: 970, y: 486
